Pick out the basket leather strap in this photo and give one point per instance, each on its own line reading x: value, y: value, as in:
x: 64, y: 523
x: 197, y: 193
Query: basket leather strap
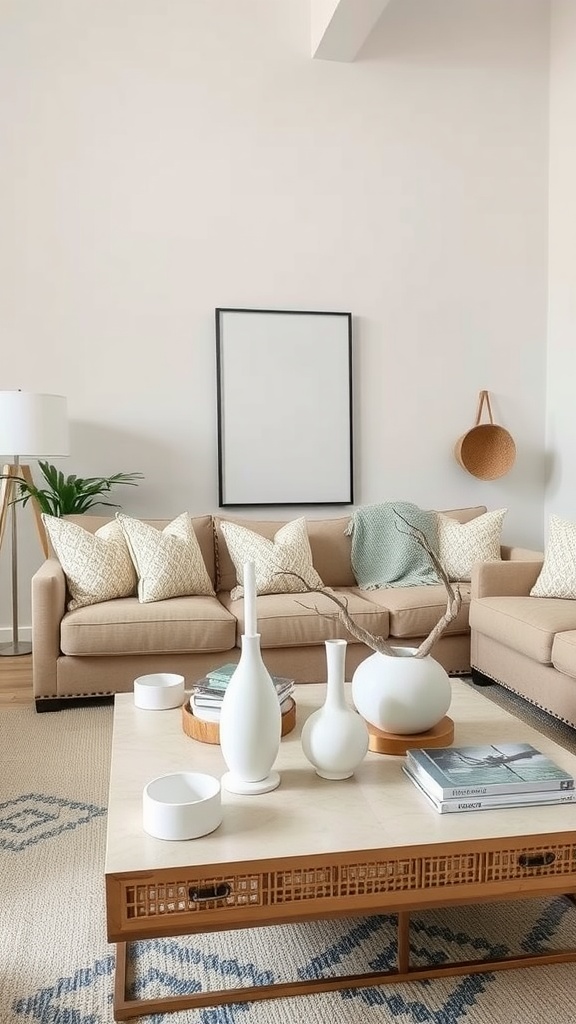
x: 483, y: 399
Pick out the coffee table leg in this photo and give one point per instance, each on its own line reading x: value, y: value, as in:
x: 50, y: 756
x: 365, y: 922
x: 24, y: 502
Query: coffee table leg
x: 403, y: 940
x: 120, y: 979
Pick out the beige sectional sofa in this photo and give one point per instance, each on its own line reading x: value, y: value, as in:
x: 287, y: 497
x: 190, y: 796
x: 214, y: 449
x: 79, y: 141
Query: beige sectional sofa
x: 527, y: 644
x: 100, y: 649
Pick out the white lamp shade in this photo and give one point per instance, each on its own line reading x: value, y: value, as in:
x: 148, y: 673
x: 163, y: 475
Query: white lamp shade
x: 33, y: 425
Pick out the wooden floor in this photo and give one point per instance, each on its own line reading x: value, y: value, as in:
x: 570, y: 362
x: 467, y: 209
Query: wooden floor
x: 16, y: 682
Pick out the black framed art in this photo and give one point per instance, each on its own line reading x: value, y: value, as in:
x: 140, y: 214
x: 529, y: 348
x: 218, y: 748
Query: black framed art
x: 284, y: 401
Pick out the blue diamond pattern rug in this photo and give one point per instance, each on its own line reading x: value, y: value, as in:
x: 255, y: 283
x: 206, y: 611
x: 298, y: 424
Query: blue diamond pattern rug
x: 56, y: 966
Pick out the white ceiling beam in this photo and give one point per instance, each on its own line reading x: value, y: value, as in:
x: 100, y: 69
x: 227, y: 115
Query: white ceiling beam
x: 339, y: 28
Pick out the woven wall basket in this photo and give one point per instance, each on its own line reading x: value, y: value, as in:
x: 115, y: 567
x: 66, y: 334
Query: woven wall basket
x: 487, y: 451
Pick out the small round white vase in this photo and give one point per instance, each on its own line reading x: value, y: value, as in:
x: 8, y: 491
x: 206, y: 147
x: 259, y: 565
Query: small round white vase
x: 250, y: 724
x: 401, y: 694
x: 335, y: 738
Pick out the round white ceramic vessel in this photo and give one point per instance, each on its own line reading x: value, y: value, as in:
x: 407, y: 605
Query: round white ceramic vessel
x: 403, y: 694
x: 159, y: 691
x: 184, y: 805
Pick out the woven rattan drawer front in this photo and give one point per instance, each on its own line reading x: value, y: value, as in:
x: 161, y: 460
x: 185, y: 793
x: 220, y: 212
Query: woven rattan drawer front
x: 456, y: 869
x: 531, y: 862
x: 155, y: 900
x: 349, y: 880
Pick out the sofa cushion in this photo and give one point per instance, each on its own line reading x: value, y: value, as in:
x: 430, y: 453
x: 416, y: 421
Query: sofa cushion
x: 525, y: 624
x: 292, y: 620
x: 414, y: 611
x: 176, y: 626
x: 330, y: 547
x: 460, y: 545
x: 558, y: 574
x: 464, y: 515
x: 97, y: 566
x: 274, y: 559
x: 564, y: 652
x: 169, y: 561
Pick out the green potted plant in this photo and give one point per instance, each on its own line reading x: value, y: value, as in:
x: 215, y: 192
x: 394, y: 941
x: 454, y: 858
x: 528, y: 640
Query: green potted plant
x: 70, y: 495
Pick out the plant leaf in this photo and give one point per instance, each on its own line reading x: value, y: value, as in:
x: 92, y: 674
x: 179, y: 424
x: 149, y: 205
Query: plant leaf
x: 69, y: 495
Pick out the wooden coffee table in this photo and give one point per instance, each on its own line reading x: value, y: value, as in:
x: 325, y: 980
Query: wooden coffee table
x: 316, y: 849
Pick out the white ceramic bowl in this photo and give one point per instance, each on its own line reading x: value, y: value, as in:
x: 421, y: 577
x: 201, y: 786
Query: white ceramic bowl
x: 159, y: 691
x: 185, y: 805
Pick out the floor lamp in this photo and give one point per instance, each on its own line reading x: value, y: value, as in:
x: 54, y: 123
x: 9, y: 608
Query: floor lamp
x: 34, y: 426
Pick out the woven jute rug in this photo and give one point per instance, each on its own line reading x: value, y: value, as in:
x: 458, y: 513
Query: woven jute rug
x: 56, y: 966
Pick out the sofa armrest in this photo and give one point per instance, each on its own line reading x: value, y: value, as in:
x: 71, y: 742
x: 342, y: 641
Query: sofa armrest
x: 48, y: 609
x: 506, y: 578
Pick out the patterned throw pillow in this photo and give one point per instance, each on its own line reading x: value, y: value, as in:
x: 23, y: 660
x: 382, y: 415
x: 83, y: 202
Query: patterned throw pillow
x: 97, y: 565
x: 290, y: 550
x: 558, y: 574
x: 168, y: 562
x: 462, y: 544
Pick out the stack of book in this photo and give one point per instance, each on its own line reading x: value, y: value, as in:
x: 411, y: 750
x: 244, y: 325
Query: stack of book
x: 486, y: 777
x: 208, y: 693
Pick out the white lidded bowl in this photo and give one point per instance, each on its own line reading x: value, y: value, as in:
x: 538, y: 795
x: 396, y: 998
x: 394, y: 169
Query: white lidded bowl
x: 185, y: 805
x: 159, y: 691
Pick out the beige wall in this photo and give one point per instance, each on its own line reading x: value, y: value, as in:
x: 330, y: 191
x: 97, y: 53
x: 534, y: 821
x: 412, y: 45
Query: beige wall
x: 160, y: 159
x: 561, y: 406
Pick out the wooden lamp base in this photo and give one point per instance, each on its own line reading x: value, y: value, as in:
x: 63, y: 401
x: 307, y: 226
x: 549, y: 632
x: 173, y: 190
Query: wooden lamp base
x: 441, y: 735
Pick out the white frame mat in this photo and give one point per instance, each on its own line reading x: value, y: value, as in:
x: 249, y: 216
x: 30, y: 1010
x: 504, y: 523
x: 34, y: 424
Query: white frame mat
x: 284, y: 395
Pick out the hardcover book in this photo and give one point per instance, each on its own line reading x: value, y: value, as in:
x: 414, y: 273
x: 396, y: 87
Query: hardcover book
x: 218, y: 678
x: 211, y: 713
x: 452, y: 772
x: 222, y: 674
x: 204, y: 695
x: 488, y: 803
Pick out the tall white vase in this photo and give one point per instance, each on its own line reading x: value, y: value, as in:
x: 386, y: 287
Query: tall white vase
x: 250, y: 724
x: 401, y: 694
x: 335, y: 738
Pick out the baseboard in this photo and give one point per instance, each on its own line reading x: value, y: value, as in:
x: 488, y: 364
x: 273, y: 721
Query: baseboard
x: 62, y: 703
x: 24, y: 633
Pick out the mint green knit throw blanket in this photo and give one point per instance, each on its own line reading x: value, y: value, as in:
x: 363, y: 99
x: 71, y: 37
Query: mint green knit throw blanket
x: 384, y: 554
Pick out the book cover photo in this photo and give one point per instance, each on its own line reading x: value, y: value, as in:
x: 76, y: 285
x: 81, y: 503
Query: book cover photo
x: 479, y: 770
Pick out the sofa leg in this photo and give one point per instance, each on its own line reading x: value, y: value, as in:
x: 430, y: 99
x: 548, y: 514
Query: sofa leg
x: 479, y: 679
x: 61, y: 703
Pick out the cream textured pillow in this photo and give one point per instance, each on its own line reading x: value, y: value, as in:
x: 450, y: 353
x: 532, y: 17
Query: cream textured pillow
x: 462, y: 544
x: 558, y: 574
x: 168, y: 562
x: 97, y: 565
x: 290, y: 550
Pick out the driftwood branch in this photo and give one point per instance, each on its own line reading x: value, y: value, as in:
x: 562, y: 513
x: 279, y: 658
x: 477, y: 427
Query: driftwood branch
x: 454, y: 597
x: 378, y: 643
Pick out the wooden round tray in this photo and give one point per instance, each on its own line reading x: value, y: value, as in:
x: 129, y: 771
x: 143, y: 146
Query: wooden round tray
x: 440, y: 735
x: 209, y: 732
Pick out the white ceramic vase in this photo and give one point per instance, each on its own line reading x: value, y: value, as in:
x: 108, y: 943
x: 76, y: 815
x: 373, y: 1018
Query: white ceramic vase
x: 335, y: 738
x: 403, y: 694
x: 250, y: 724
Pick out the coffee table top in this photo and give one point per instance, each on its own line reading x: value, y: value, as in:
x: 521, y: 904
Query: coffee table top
x: 377, y: 809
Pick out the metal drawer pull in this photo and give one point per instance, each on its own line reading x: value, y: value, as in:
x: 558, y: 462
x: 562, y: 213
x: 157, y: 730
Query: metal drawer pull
x: 536, y: 860
x: 211, y: 892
